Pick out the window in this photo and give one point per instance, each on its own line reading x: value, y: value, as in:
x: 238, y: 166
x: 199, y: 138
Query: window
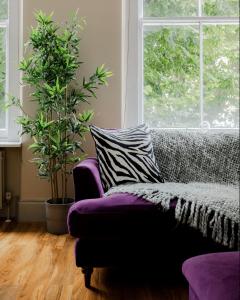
x: 182, y: 63
x: 9, y: 75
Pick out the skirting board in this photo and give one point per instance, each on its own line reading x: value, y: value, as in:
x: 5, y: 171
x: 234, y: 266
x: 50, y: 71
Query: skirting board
x: 31, y: 211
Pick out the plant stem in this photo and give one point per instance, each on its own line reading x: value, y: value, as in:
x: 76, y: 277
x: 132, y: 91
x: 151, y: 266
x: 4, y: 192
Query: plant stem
x: 55, y: 176
x: 65, y: 155
x: 51, y: 179
x: 51, y: 161
x: 63, y: 188
x: 57, y: 184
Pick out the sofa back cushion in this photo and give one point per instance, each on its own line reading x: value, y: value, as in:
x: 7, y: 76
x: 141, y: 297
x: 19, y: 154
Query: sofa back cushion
x: 190, y: 155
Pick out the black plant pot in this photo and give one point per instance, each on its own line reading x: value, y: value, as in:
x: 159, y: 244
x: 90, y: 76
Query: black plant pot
x: 56, y: 215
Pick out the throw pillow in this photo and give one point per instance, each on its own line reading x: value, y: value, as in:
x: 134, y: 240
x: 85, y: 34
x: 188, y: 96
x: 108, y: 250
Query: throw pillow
x: 125, y: 155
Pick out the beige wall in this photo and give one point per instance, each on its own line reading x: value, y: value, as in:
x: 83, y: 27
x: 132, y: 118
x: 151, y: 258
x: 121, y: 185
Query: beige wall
x: 101, y: 43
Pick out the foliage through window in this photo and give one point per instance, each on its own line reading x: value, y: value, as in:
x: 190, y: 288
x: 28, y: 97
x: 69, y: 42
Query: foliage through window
x: 3, y: 26
x: 191, y: 63
x: 9, y: 74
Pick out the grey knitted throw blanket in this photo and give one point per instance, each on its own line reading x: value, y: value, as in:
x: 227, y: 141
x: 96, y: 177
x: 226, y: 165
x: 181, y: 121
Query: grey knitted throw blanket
x: 209, y: 207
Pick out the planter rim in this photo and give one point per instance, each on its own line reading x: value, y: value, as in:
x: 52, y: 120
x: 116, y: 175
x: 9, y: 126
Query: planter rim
x: 50, y: 202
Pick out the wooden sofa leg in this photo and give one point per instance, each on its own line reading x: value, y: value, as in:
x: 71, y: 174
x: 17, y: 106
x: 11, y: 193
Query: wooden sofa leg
x: 87, y: 271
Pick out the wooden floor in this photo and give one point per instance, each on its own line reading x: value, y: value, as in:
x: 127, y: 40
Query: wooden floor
x: 38, y: 265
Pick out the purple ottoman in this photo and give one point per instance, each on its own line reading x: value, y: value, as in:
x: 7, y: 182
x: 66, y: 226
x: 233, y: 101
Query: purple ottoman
x: 214, y: 276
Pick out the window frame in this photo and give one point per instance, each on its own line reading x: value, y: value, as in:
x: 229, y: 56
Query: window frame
x: 133, y: 41
x: 11, y: 132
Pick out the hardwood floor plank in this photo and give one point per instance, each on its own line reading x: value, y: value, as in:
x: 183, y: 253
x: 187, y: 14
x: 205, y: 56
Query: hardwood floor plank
x: 36, y: 265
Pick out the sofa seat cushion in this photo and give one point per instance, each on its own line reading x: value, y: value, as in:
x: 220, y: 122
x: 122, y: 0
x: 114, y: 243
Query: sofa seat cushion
x: 116, y: 216
x: 214, y: 276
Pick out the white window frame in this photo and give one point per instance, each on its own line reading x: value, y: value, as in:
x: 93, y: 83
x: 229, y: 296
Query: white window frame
x: 133, y: 65
x: 11, y: 131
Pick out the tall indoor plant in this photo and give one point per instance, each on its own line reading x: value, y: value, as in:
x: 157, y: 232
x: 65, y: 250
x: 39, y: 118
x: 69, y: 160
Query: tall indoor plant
x: 58, y: 127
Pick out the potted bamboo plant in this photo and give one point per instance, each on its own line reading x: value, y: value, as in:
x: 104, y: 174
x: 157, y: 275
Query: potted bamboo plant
x: 58, y: 127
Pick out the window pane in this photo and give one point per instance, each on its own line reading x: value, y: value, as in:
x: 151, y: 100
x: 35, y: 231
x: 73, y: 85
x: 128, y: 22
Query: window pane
x: 170, y: 8
x: 2, y: 74
x: 221, y: 75
x: 171, y: 76
x: 3, y: 9
x: 221, y: 8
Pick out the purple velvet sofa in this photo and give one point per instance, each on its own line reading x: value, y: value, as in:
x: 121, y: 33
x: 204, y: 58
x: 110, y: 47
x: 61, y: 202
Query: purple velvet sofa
x: 123, y: 229
x: 213, y: 276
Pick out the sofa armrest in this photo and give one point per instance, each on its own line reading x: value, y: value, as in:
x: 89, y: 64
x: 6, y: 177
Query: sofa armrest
x: 106, y: 217
x: 87, y: 181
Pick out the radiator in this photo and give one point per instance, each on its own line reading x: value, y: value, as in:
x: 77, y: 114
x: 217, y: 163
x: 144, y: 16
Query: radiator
x: 1, y: 178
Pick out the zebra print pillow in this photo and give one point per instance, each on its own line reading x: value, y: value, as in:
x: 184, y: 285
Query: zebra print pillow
x: 125, y: 155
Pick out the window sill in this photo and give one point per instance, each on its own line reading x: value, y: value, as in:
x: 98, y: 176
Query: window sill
x: 5, y: 144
